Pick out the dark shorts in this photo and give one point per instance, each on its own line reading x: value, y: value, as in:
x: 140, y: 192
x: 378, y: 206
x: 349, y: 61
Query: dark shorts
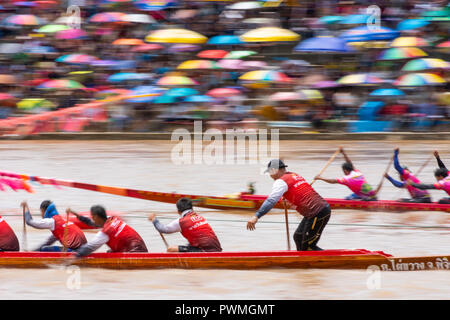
x: 310, y: 229
x: 189, y: 249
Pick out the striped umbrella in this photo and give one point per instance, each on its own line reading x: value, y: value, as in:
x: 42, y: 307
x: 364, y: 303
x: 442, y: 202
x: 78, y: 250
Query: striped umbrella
x: 401, y: 53
x: 265, y: 76
x: 61, y: 84
x: 176, y: 81
x: 107, y: 17
x: 198, y: 64
x: 419, y: 79
x: 426, y: 64
x: 175, y: 36
x: 359, y: 79
x: 24, y: 20
x: 76, y: 58
x: 409, y: 42
x: 269, y: 34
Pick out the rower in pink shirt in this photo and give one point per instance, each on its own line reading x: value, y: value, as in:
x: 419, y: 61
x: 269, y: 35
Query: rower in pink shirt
x: 354, y: 180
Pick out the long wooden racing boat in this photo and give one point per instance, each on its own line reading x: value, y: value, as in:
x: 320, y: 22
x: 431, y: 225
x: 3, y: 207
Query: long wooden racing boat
x: 241, y: 201
x: 327, y: 259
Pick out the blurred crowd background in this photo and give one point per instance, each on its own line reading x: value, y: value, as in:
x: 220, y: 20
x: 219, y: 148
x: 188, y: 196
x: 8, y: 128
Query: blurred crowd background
x: 150, y: 66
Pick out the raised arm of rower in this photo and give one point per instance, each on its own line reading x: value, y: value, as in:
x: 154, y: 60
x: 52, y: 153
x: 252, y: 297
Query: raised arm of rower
x: 326, y: 180
x: 347, y: 159
x: 439, y: 161
x: 45, y: 223
x: 100, y: 239
x: 397, y: 165
x: 398, y: 184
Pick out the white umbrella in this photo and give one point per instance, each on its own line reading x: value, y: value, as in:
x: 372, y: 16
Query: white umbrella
x: 139, y: 18
x: 245, y: 5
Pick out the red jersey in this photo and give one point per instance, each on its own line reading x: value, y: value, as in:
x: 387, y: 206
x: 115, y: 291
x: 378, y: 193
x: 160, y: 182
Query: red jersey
x: 74, y: 238
x: 8, y: 239
x: 122, y: 238
x: 198, y: 232
x: 300, y: 194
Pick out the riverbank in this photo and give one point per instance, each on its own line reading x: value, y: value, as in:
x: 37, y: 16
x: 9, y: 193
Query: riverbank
x: 387, y: 136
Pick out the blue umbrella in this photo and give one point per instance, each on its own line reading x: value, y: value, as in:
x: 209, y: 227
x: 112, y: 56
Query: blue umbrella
x: 181, y: 92
x: 141, y: 90
x: 225, y: 40
x: 411, y: 24
x: 164, y: 99
x: 40, y: 50
x: 369, y: 34
x: 154, y: 5
x: 330, y: 19
x: 124, y: 76
x: 199, y: 98
x: 355, y: 19
x: 323, y: 44
x: 385, y: 92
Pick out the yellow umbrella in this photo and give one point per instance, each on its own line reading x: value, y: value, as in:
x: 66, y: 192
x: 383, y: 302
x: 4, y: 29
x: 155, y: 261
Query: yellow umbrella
x: 269, y: 34
x: 175, y: 36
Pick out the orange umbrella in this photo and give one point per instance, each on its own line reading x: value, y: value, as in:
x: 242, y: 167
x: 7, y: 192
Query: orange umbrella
x: 128, y: 42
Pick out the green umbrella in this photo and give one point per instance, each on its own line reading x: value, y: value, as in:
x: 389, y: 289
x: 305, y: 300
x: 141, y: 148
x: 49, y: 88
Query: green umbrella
x: 239, y: 54
x: 52, y: 28
x: 437, y: 15
x: 27, y: 104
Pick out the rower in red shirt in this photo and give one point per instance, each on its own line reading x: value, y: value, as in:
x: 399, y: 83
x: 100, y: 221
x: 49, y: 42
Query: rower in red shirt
x: 115, y: 233
x: 68, y: 234
x: 8, y: 239
x: 192, y: 226
x: 308, y: 203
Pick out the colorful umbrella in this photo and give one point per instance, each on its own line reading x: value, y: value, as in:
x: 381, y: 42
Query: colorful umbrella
x: 231, y: 64
x: 40, y: 50
x: 176, y: 81
x: 199, y: 99
x: 147, y: 47
x: 225, y: 40
x: 138, y: 18
x: 330, y: 19
x: 61, y: 84
x: 175, y: 36
x: 128, y: 42
x: 181, y: 92
x: 323, y: 44
x: 419, y: 79
x: 152, y: 91
x: 52, y: 28
x: 445, y: 44
x: 426, y: 64
x: 365, y: 33
x: 198, y: 64
x: 355, y: 19
x: 245, y: 5
x: 76, y: 58
x: 27, y: 104
x: 212, y: 54
x: 401, y: 53
x: 265, y: 76
x: 311, y: 94
x: 239, y: 54
x: 387, y: 92
x: 71, y: 34
x: 24, y: 20
x: 128, y: 76
x: 154, y: 5
x: 325, y: 84
x: 286, y: 96
x: 359, y: 79
x: 246, y: 65
x: 223, y: 92
x: 442, y: 14
x: 410, y: 24
x: 269, y: 34
x: 107, y: 17
x: 409, y: 42
x: 183, y: 48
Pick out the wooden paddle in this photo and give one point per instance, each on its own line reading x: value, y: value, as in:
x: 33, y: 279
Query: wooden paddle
x: 66, y: 231
x: 424, y: 165
x: 164, y: 239
x: 24, y: 232
x: 326, y: 165
x: 382, y: 177
x: 287, y: 225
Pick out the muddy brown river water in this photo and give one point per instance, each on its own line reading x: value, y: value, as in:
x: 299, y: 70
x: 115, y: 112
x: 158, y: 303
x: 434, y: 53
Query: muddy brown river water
x: 148, y: 165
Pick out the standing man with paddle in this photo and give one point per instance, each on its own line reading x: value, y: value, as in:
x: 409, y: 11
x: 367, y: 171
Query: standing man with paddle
x: 308, y: 203
x: 354, y: 180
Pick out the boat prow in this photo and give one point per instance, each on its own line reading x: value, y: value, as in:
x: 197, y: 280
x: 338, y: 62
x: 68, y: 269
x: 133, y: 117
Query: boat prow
x: 326, y: 259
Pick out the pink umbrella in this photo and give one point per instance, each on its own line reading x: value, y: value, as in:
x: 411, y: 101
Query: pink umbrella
x: 286, y: 96
x: 223, y: 92
x: 253, y: 65
x: 147, y: 47
x: 233, y: 64
x: 71, y: 34
x: 325, y: 84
